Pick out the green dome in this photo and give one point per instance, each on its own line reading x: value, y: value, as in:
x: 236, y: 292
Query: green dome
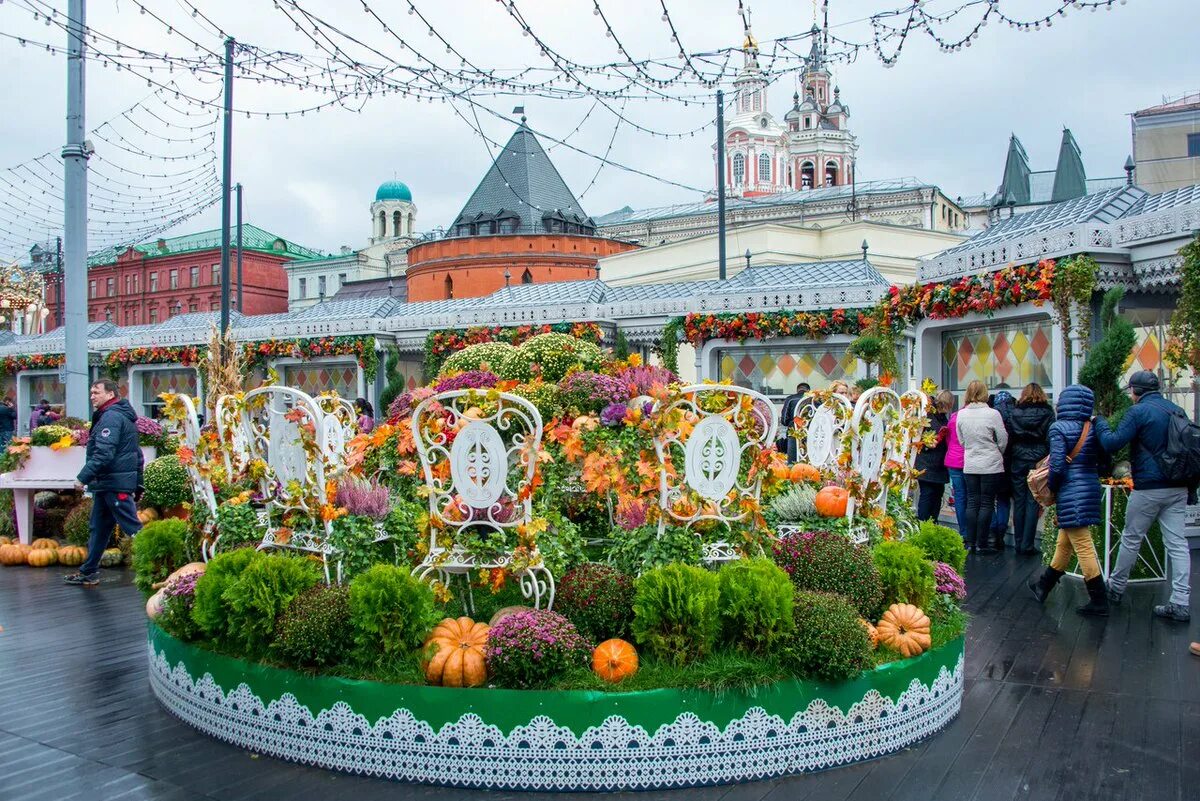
x: 393, y: 190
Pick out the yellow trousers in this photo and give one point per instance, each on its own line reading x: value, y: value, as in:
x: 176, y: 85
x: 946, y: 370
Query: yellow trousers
x: 1077, y: 541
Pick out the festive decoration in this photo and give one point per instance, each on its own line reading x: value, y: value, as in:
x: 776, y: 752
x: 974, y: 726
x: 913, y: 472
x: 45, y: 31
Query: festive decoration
x: 440, y: 344
x: 11, y: 365
x: 1183, y: 343
x: 361, y: 347
x: 187, y: 355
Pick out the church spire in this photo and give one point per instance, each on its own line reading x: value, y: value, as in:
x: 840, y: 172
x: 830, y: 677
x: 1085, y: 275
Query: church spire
x: 1070, y: 180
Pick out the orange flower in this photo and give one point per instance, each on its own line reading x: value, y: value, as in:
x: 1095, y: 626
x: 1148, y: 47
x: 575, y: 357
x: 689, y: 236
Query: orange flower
x: 329, y: 512
x: 186, y: 455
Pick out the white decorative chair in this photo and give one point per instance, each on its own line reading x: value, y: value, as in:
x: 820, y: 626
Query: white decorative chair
x: 877, y: 409
x: 730, y: 424
x: 341, y: 425
x: 479, y: 459
x: 821, y: 425
x: 284, y: 429
x: 202, y: 489
x: 234, y: 447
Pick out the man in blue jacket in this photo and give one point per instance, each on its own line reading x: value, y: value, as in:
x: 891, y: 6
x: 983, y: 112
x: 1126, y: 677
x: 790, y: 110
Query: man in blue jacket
x: 1154, y: 497
x: 113, y: 474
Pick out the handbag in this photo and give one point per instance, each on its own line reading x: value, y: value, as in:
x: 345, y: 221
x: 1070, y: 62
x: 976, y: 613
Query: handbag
x: 1038, y: 479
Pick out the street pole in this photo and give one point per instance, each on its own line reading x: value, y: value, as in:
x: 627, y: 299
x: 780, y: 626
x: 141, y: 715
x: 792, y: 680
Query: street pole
x: 75, y: 158
x: 721, y: 184
x: 239, y: 249
x: 226, y: 173
x: 58, y: 307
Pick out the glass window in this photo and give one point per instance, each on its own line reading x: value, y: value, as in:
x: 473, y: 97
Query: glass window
x: 341, y: 280
x: 1193, y: 145
x: 195, y: 276
x: 739, y: 169
x: 128, y: 283
x: 321, y: 286
x: 110, y: 286
x: 153, y: 313
x: 764, y: 168
x: 303, y: 292
x: 216, y: 274
x: 193, y: 307
x: 91, y: 289
x: 156, y: 382
x: 153, y: 282
x: 777, y: 370
x: 1009, y: 354
x: 174, y: 279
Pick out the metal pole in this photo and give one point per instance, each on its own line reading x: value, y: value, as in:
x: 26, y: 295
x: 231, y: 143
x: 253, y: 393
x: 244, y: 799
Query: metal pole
x: 720, y: 184
x: 226, y: 171
x: 58, y: 307
x: 75, y: 157
x: 239, y: 249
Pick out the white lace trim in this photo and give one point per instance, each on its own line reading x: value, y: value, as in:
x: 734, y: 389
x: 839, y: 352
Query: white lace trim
x: 545, y: 756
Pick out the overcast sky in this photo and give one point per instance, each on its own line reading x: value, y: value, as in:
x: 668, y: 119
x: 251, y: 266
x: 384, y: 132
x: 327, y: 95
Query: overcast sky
x: 942, y: 118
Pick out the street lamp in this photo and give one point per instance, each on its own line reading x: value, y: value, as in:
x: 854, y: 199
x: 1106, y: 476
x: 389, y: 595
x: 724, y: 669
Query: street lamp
x: 747, y: 258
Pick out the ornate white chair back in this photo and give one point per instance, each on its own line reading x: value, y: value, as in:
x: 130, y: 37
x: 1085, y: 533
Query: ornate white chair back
x: 728, y: 424
x: 821, y: 425
x: 876, y: 410
x: 915, y: 406
x: 341, y: 424
x: 234, y: 447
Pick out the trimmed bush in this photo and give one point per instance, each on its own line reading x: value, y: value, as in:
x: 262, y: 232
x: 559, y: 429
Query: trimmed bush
x: 77, y: 528
x: 211, y: 611
x: 314, y: 631
x: 262, y: 591
x: 159, y: 549
x: 598, y: 599
x: 391, y: 614
x: 675, y: 612
x: 482, y: 356
x: 829, y: 643
x: 940, y: 544
x: 755, y: 604
x: 167, y: 483
x: 827, y: 561
x: 551, y: 356
x: 906, y: 574
x: 532, y: 648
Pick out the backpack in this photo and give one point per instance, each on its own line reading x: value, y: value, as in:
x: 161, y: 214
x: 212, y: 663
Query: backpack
x: 1180, y: 459
x: 1038, y: 479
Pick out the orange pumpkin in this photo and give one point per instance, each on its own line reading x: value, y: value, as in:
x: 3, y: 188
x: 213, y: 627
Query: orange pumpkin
x: 613, y: 660
x: 72, y: 555
x: 41, y: 557
x: 458, y: 660
x: 905, y: 628
x: 804, y: 472
x: 147, y: 515
x: 832, y: 501
x: 13, y: 554
x: 44, y: 542
x: 6, y: 540
x: 872, y: 632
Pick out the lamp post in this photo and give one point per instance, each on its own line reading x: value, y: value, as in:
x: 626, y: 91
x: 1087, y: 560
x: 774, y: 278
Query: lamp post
x: 747, y: 258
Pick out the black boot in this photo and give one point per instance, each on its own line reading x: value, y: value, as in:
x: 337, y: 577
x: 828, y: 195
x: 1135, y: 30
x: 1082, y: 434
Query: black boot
x: 1041, y: 588
x: 1097, y: 605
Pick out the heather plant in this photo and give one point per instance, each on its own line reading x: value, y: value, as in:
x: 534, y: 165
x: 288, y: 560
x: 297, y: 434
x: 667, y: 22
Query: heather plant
x: 404, y: 403
x: 264, y: 589
x: 643, y: 379
x: 589, y: 392
x: 158, y: 550
x: 314, y: 631
x: 676, y: 612
x: 178, y: 598
x: 906, y: 574
x: 532, y: 648
x: 755, y: 604
x: 940, y: 544
x: 947, y: 581
x: 391, y: 613
x: 829, y: 643
x: 598, y: 599
x: 365, y: 498
x: 471, y: 379
x: 826, y: 561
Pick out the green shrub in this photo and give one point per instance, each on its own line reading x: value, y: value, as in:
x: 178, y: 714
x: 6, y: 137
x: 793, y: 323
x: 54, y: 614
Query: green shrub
x: 907, y: 575
x: 940, y: 544
x: 551, y: 356
x: 643, y: 549
x: 314, y: 630
x: 167, y: 483
x: 829, y: 643
x: 77, y: 528
x: 391, y: 614
x: 237, y: 524
x: 159, y: 549
x: 546, y: 398
x: 8, y: 517
x: 402, y: 527
x: 826, y: 561
x: 481, y: 356
x: 264, y: 589
x: 675, y: 612
x: 598, y: 599
x: 211, y: 610
x: 755, y: 604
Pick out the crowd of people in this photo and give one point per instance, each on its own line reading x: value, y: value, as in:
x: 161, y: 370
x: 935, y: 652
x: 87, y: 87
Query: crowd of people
x: 987, y: 449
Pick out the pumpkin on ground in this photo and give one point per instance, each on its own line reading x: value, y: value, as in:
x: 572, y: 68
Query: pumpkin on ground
x: 613, y: 660
x: 42, y: 557
x: 905, y: 628
x: 804, y: 472
x: 6, y: 540
x: 72, y: 555
x: 147, y: 515
x: 504, y: 612
x: 832, y: 501
x: 13, y: 554
x: 186, y: 570
x: 111, y: 557
x: 872, y: 632
x: 44, y: 542
x: 458, y: 660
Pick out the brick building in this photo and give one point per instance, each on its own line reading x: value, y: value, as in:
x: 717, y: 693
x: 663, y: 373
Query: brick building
x: 155, y: 281
x: 522, y: 225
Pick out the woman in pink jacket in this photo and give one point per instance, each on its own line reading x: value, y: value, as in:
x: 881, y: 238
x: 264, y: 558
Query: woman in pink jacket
x: 958, y: 483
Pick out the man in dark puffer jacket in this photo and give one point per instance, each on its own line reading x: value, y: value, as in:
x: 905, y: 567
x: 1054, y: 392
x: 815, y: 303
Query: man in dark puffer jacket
x: 1144, y: 429
x: 113, y: 474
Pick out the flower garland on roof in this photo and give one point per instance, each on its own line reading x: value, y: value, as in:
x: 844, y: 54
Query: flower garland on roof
x: 440, y: 344
x: 361, y: 347
x: 187, y: 355
x: 11, y: 365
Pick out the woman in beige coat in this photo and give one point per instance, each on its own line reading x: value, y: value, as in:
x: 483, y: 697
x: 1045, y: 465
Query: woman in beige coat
x: 981, y: 432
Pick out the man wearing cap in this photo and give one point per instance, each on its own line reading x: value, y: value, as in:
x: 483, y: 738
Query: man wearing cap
x: 1154, y: 497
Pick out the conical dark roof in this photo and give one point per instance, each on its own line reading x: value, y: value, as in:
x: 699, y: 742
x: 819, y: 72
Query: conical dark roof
x: 1015, y: 184
x: 1070, y: 180
x: 523, y: 186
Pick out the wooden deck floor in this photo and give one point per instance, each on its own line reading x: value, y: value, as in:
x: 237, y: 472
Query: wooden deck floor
x: 1056, y: 707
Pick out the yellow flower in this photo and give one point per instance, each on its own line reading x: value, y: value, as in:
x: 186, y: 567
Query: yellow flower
x: 64, y: 442
x: 635, y: 360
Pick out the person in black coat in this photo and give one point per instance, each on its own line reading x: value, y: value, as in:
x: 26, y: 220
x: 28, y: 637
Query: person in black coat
x: 1003, y: 402
x: 932, y: 461
x: 112, y: 473
x: 8, y: 422
x: 787, y: 420
x: 1028, y: 443
x: 1077, y: 484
